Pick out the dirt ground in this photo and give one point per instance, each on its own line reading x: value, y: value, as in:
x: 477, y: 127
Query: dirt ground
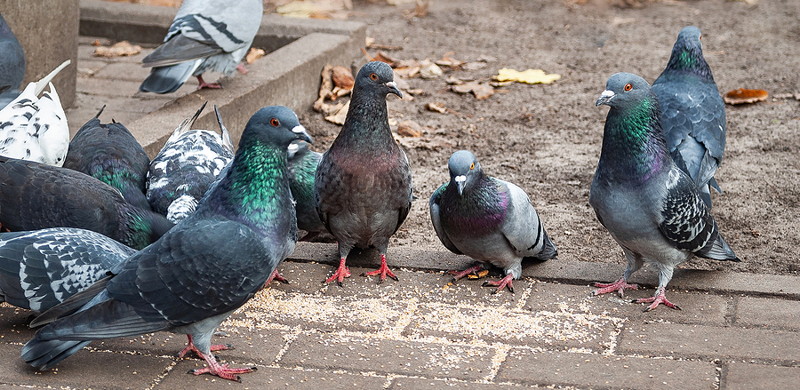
x: 546, y: 138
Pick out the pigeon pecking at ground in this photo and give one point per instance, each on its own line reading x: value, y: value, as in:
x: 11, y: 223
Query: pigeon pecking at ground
x: 363, y: 183
x: 40, y: 269
x: 38, y: 196
x: 33, y: 128
x: 649, y: 205
x: 110, y: 153
x: 692, y: 112
x: 303, y: 164
x: 205, y: 35
x: 202, y: 270
x: 12, y: 64
x: 186, y: 167
x: 488, y: 219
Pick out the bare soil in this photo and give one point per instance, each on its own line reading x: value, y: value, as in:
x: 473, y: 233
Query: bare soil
x: 546, y: 138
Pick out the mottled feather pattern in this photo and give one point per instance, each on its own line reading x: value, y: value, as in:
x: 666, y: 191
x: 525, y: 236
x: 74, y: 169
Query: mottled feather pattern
x: 35, y: 130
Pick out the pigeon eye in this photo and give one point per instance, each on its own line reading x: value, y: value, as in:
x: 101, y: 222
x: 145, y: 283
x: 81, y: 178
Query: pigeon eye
x: 275, y: 122
x: 373, y: 77
x: 628, y: 87
x: 471, y: 166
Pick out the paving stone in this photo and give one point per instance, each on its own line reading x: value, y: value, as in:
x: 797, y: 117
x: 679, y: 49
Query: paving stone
x: 270, y: 378
x: 362, y: 354
x: 699, y: 308
x: 779, y: 313
x: 434, y: 384
x: 14, y: 324
x: 85, y: 369
x: 602, y: 371
x: 743, y: 376
x: 123, y: 71
x: 709, y: 341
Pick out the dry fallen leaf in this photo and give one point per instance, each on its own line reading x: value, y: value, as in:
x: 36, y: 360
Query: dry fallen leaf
x: 741, y: 96
x: 371, y: 44
x: 340, y: 115
x: 420, y: 10
x: 480, y: 90
x: 119, y: 49
x: 446, y: 60
x: 530, y: 76
x: 342, y: 77
x: 253, y: 54
x: 409, y: 128
x: 430, y: 70
x: 436, y: 107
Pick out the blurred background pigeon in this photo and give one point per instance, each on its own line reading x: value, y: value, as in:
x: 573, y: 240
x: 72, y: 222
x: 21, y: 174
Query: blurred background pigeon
x: 649, y: 205
x: 205, y: 35
x: 692, y: 112
x: 303, y: 164
x: 12, y: 64
x: 489, y: 220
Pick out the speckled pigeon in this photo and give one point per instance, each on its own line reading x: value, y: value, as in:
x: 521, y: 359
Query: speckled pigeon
x: 197, y: 274
x: 34, y: 128
x: 488, y: 219
x: 363, y: 182
x: 12, y: 64
x: 38, y: 196
x: 205, y: 35
x: 650, y: 206
x: 110, y: 153
x: 40, y: 269
x: 185, y: 168
x: 692, y: 112
x: 303, y: 164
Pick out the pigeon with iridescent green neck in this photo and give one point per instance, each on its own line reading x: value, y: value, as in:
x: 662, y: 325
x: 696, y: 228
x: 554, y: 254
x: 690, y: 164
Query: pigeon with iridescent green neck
x: 649, y: 205
x: 303, y: 164
x: 692, y: 112
x: 488, y: 219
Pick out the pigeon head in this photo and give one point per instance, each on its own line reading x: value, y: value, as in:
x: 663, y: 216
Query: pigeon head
x: 687, y: 54
x: 465, y: 170
x: 624, y: 90
x: 377, y: 77
x: 277, y: 125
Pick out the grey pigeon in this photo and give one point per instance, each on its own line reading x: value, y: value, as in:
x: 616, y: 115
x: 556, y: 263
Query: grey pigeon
x: 110, y: 153
x: 34, y: 128
x: 202, y: 270
x: 488, y: 219
x: 186, y: 167
x: 12, y: 64
x: 205, y: 35
x: 649, y: 205
x: 42, y: 268
x: 38, y: 196
x: 363, y: 182
x: 692, y: 112
x: 303, y: 164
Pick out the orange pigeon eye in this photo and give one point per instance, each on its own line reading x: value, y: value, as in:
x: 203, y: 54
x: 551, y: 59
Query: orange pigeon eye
x: 275, y: 122
x: 373, y: 77
x: 471, y: 166
x: 628, y: 87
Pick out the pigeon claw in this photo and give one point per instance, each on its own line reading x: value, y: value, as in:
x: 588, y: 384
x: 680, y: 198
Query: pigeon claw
x: 383, y: 271
x: 655, y: 300
x: 275, y: 276
x: 203, y: 84
x: 221, y: 370
x: 241, y: 69
x: 461, y: 274
x: 341, y: 273
x: 619, y: 287
x: 506, y: 282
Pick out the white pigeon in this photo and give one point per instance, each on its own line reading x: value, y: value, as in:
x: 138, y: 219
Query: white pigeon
x: 34, y: 128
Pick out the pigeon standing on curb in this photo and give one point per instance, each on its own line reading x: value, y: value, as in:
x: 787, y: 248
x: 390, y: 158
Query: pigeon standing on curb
x: 186, y: 167
x: 303, y: 164
x: 110, y: 153
x: 649, y: 205
x: 202, y: 270
x: 692, y: 112
x: 488, y: 219
x: 33, y: 128
x: 12, y: 64
x: 205, y: 35
x: 363, y: 183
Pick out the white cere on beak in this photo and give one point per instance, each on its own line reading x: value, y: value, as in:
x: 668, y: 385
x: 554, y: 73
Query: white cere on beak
x: 293, y: 147
x: 299, y: 129
x: 391, y: 84
x: 460, y: 179
x: 607, y: 94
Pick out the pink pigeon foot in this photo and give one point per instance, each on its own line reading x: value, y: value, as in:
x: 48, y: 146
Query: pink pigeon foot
x: 383, y: 271
x: 241, y: 69
x: 204, y: 84
x: 461, y: 274
x: 341, y: 273
x: 275, y: 276
x: 656, y: 300
x: 220, y: 370
x: 619, y: 286
x: 191, y: 348
x: 506, y: 282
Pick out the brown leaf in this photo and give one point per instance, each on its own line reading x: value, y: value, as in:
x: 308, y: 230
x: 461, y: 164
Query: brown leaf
x: 448, y: 61
x: 340, y: 115
x: 253, y: 54
x: 119, y: 49
x: 342, y: 77
x: 741, y: 95
x: 409, y: 128
x: 436, y: 107
x: 371, y: 44
x: 325, y: 89
x: 480, y: 90
x: 383, y: 57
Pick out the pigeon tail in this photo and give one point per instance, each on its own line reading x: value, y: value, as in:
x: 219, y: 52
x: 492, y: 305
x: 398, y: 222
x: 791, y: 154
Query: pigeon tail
x: 167, y: 79
x: 719, y: 250
x: 44, y: 354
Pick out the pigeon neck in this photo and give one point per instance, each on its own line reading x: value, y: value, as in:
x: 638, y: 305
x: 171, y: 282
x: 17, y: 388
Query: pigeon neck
x: 367, y: 121
x: 689, y: 60
x: 633, y: 146
x: 138, y: 228
x: 482, y: 207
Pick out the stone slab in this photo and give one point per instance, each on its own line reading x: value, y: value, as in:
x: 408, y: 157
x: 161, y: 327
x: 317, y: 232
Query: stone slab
x: 743, y: 376
x: 271, y: 378
x: 774, y: 313
x: 439, y: 384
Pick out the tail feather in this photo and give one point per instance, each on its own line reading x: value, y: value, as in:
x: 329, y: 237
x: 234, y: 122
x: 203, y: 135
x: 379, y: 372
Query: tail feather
x: 44, y: 354
x: 167, y: 79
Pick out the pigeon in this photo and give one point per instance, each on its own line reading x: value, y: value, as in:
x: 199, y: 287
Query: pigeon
x: 42, y: 268
x: 185, y: 168
x: 650, y: 206
x: 198, y: 273
x: 205, y: 35
x: 363, y: 183
x: 33, y: 128
x: 303, y: 164
x: 488, y: 219
x: 692, y: 112
x: 12, y: 64
x: 110, y: 153
x: 38, y: 196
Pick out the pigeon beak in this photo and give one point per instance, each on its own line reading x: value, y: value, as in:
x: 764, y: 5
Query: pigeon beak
x: 301, y: 133
x: 605, y: 97
x: 393, y: 89
x: 461, y: 180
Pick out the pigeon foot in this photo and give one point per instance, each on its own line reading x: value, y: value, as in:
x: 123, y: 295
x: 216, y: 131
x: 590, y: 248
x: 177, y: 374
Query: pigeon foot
x: 275, y: 276
x: 461, y: 274
x: 204, y: 84
x: 506, y: 282
x: 383, y: 271
x: 221, y: 370
x: 656, y: 300
x: 619, y: 286
x: 191, y: 348
x: 242, y: 69
x: 341, y: 273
